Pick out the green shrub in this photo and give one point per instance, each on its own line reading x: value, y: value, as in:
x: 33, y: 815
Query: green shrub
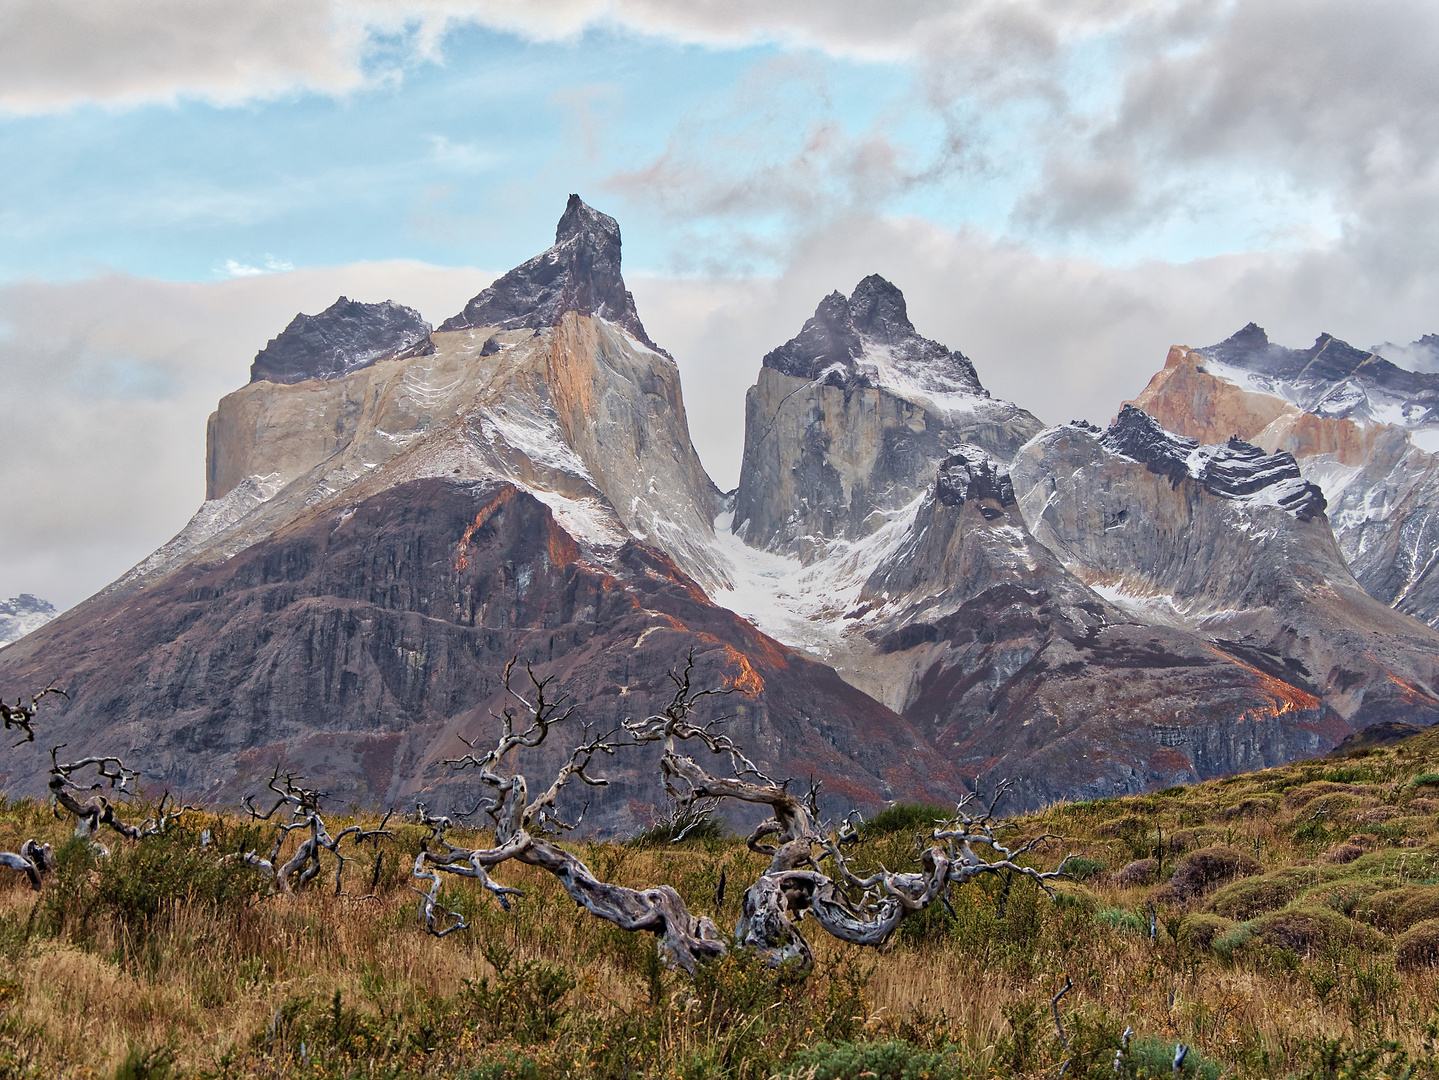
x: 1309, y: 929
x: 905, y: 817
x: 1119, y: 919
x: 1154, y: 1058
x: 1201, y: 931
x: 1248, y: 897
x: 1426, y: 779
x: 1398, y: 909
x: 1081, y: 868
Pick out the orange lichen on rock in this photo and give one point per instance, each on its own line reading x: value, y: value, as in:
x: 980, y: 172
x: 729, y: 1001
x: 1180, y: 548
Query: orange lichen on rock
x: 748, y: 680
x: 462, y: 560
x: 1287, y: 698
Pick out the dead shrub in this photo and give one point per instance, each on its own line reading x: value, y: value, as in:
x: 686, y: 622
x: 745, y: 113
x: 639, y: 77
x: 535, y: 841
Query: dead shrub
x: 1377, y: 815
x: 1139, y: 872
x: 1346, y: 851
x: 1122, y: 828
x: 1418, y: 946
x: 1202, y: 870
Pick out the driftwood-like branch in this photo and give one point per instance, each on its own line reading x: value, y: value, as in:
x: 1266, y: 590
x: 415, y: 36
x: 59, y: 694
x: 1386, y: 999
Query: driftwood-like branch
x: 864, y: 910
x: 303, y: 865
x: 97, y: 811
x: 20, y: 714
x: 34, y: 861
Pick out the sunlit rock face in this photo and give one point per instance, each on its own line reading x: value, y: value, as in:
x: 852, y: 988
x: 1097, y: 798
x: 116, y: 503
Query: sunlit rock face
x: 849, y: 419
x: 1362, y: 429
x: 1231, y: 543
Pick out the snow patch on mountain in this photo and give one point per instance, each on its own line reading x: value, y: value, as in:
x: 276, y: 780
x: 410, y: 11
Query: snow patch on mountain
x: 23, y: 614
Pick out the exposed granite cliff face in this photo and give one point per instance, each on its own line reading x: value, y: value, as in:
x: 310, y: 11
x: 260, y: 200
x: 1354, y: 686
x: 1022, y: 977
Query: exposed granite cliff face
x: 576, y: 410
x: 1249, y: 562
x: 1379, y: 479
x: 345, y: 337
x: 849, y: 420
x: 1018, y: 669
x: 359, y: 642
x: 580, y: 273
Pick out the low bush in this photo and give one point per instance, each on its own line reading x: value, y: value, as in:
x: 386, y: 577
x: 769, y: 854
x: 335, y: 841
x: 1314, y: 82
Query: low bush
x: 1418, y: 947
x: 1308, y: 930
x: 1248, y: 897
x: 874, y: 1061
x: 1395, y: 910
x: 1202, y: 870
x: 1139, y: 872
x: 905, y: 817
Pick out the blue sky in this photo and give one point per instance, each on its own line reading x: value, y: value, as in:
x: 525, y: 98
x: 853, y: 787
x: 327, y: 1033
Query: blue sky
x: 1063, y: 188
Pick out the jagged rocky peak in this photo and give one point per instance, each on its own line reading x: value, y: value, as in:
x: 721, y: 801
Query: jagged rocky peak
x: 866, y: 340
x: 969, y: 473
x: 346, y: 336
x: 1235, y: 470
x: 580, y: 273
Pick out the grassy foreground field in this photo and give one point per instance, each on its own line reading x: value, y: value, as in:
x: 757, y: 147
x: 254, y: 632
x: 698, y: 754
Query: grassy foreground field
x: 1283, y: 923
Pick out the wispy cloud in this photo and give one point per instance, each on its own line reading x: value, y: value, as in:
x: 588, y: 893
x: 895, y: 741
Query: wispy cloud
x: 269, y: 265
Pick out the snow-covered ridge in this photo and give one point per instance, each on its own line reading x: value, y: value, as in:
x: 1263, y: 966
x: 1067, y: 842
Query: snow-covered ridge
x: 1236, y: 470
x: 23, y: 614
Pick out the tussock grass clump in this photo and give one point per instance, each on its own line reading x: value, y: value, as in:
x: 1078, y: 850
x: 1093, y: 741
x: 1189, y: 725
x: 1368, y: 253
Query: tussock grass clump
x: 1418, y: 947
x: 1249, y: 897
x: 1202, y: 870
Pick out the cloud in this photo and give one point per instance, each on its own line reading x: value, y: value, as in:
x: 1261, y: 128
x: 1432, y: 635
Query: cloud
x: 109, y: 382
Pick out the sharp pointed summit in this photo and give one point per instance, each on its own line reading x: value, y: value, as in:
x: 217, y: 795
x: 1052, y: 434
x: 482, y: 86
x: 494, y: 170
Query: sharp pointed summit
x: 580, y: 273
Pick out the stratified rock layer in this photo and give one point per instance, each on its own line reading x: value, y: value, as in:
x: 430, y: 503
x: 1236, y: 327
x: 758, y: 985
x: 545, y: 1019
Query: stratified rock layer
x: 849, y: 419
x: 358, y: 643
x: 345, y: 337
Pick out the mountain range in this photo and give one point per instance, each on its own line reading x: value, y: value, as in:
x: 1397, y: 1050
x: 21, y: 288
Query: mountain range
x: 914, y: 585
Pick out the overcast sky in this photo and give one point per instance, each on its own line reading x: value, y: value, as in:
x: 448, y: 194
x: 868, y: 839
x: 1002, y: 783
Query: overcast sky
x: 1061, y: 189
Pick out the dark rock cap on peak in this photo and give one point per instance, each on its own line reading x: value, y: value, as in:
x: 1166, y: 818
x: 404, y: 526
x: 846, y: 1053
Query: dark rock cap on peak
x: 345, y: 337
x: 832, y: 343
x: 580, y: 273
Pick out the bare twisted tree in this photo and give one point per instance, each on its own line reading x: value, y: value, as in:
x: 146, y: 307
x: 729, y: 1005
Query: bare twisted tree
x: 303, y: 865
x: 20, y: 714
x: 864, y: 910
x: 96, y: 811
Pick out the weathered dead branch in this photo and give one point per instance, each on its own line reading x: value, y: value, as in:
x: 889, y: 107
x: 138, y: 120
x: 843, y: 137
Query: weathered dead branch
x: 864, y: 910
x: 304, y: 864
x: 34, y: 861
x: 97, y: 811
x: 20, y: 715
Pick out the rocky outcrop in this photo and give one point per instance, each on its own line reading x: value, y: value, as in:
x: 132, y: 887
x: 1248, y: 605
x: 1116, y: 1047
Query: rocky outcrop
x: 1018, y: 669
x: 345, y: 337
x: 849, y: 419
x: 1244, y: 561
x: 580, y: 273
x: 21, y: 614
x: 1381, y: 484
x: 359, y: 642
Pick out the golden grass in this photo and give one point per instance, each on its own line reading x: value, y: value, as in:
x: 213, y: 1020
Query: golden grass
x: 222, y: 988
